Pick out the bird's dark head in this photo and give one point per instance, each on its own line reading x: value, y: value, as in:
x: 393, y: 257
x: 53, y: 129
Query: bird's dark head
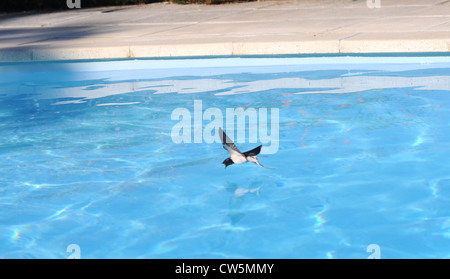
x: 227, y: 162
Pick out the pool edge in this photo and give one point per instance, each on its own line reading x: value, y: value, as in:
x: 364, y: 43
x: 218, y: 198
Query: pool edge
x: 328, y: 47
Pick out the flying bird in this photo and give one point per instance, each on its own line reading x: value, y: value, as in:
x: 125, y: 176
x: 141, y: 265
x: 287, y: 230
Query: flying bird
x: 236, y: 156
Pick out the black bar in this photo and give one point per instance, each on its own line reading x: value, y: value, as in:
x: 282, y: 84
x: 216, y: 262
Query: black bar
x: 222, y: 268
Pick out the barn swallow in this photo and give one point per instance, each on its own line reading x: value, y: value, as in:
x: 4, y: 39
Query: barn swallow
x: 236, y: 156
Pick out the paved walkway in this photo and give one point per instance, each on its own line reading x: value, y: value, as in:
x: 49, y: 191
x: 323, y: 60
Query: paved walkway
x: 267, y: 27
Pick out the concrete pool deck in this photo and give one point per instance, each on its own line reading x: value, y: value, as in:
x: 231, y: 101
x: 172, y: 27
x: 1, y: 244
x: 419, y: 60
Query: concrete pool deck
x: 254, y: 28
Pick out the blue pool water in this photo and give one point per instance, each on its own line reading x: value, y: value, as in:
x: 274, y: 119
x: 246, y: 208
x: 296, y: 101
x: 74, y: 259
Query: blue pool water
x: 363, y: 157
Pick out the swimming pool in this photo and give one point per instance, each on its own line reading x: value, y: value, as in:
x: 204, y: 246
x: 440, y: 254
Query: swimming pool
x: 363, y: 155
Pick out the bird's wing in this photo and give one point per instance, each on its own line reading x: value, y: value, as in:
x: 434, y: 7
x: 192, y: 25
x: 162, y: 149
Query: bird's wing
x: 228, y: 143
x: 253, y: 152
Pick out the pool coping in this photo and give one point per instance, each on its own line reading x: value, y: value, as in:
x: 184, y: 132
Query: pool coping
x: 122, y: 40
x: 231, y: 49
